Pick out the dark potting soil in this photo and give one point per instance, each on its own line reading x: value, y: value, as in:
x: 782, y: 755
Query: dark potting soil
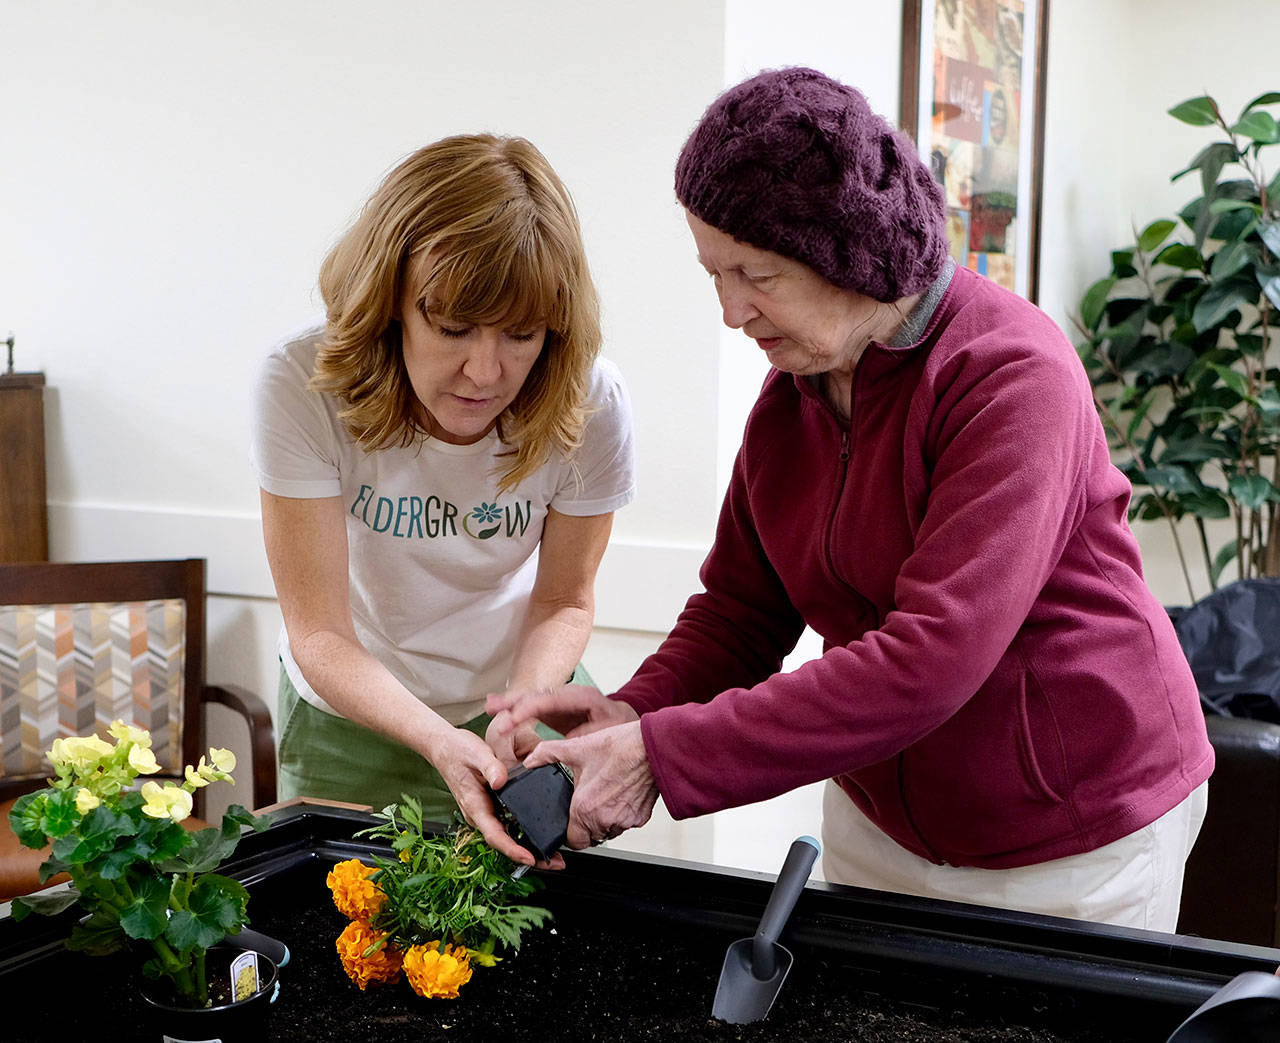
x: 591, y: 975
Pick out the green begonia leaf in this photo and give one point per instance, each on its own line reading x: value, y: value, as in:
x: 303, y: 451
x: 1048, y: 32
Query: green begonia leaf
x: 148, y: 914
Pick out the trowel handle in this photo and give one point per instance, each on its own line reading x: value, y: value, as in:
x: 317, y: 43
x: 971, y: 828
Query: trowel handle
x: 791, y: 881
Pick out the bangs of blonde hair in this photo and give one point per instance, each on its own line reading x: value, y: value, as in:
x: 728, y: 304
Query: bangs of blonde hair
x: 493, y: 237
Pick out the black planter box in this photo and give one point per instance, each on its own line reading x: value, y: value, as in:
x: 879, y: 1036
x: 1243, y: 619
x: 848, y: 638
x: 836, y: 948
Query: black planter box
x: 963, y: 963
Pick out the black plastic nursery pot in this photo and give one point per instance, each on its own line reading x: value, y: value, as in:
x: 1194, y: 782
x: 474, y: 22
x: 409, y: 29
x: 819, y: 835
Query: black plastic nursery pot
x: 634, y: 954
x: 242, y: 1020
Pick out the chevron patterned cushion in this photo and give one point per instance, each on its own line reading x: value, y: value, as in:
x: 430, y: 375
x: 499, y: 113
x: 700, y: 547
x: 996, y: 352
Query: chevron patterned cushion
x: 73, y: 669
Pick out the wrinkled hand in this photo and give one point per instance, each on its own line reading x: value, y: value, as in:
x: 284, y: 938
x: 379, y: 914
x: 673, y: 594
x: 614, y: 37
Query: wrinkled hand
x: 468, y: 766
x: 613, y: 787
x: 571, y: 709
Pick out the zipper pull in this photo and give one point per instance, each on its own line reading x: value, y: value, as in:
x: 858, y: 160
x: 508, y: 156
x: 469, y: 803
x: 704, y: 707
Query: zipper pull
x: 844, y: 447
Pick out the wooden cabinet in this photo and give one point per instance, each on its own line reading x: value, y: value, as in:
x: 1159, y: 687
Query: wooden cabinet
x: 24, y: 516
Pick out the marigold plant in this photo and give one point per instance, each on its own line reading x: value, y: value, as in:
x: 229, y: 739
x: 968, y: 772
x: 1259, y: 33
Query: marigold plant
x: 445, y: 900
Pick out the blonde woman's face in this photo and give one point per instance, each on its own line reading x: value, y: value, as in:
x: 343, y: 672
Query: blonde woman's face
x: 465, y: 375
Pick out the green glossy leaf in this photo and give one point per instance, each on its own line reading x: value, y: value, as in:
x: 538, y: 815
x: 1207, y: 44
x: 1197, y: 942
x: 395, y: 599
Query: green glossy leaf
x: 1233, y: 379
x: 1269, y: 401
x: 1218, y: 302
x: 45, y: 905
x: 147, y: 916
x: 1252, y: 490
x: 1094, y: 301
x: 1224, y: 557
x: 1210, y: 161
x: 1155, y: 234
x: 1258, y: 126
x: 1199, y: 112
x: 98, y: 833
x: 26, y: 819
x: 1270, y: 98
x: 1268, y: 276
x: 1173, y: 478
x: 1222, y: 206
x: 1230, y: 259
x: 1208, y: 504
x: 1122, y: 264
x: 1139, y: 414
x: 1270, y: 233
x: 1180, y: 255
x: 99, y: 935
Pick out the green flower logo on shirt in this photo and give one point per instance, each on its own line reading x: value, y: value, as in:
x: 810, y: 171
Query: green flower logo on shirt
x: 486, y: 520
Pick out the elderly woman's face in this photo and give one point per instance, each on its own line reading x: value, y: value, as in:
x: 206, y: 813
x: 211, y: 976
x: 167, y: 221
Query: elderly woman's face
x: 803, y: 323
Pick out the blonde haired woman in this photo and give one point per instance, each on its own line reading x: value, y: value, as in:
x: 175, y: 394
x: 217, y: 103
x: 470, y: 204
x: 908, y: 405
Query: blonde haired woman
x: 439, y: 467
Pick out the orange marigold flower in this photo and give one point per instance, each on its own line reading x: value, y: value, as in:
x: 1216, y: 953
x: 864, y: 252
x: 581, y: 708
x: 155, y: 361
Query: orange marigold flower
x: 355, y: 895
x: 375, y: 968
x: 436, y: 973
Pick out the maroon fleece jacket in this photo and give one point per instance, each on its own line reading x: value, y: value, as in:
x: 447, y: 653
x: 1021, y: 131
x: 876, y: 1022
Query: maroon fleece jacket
x: 999, y: 687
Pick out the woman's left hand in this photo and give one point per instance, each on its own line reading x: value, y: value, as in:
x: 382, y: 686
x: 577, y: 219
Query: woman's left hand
x: 511, y: 746
x: 614, y: 789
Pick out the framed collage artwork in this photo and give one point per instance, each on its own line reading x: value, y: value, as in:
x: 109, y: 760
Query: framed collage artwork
x: 973, y: 83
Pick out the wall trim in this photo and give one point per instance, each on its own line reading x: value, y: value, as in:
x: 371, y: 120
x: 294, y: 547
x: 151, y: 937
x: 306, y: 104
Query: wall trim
x: 641, y: 586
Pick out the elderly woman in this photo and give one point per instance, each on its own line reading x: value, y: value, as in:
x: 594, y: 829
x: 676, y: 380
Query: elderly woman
x: 1002, y: 709
x: 439, y: 466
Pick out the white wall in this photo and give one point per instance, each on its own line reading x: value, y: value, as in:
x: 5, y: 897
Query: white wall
x: 171, y: 174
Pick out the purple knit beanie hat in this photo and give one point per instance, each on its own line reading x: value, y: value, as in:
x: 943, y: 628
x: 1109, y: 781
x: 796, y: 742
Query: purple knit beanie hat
x: 795, y: 162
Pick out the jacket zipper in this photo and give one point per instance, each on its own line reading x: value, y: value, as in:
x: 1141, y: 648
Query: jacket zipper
x: 842, y: 477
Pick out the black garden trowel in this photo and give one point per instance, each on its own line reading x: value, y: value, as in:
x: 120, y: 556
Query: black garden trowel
x: 754, y: 968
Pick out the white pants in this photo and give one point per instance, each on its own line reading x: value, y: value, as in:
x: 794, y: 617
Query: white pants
x: 1135, y: 881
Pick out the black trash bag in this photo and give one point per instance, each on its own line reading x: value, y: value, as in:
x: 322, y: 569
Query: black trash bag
x: 1232, y: 641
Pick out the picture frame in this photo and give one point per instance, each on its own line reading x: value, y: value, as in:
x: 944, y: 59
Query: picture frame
x: 973, y: 98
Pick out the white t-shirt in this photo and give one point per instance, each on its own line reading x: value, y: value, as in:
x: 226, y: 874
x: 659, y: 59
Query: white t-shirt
x: 441, y: 564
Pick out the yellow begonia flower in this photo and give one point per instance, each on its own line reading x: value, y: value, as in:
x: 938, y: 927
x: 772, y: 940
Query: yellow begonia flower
x: 167, y: 801
x: 143, y: 761
x: 223, y: 760
x: 195, y: 778
x: 435, y: 972
x: 377, y: 967
x: 355, y: 895
x: 80, y: 753
x: 86, y: 801
x: 128, y: 733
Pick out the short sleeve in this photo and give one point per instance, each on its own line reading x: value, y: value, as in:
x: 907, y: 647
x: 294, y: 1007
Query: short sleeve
x: 294, y: 446
x: 603, y: 478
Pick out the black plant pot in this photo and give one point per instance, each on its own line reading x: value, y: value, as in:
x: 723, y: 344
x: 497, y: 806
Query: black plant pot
x: 240, y: 1021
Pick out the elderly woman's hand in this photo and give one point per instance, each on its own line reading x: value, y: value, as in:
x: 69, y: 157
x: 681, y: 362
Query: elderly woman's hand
x: 570, y: 709
x: 613, y: 789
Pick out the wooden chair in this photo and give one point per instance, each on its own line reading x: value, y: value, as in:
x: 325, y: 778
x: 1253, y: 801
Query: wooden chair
x: 82, y: 644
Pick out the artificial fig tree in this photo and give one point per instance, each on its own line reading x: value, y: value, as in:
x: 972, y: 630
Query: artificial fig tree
x: 1178, y: 346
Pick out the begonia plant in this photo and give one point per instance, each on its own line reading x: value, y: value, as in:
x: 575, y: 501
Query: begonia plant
x: 145, y: 881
